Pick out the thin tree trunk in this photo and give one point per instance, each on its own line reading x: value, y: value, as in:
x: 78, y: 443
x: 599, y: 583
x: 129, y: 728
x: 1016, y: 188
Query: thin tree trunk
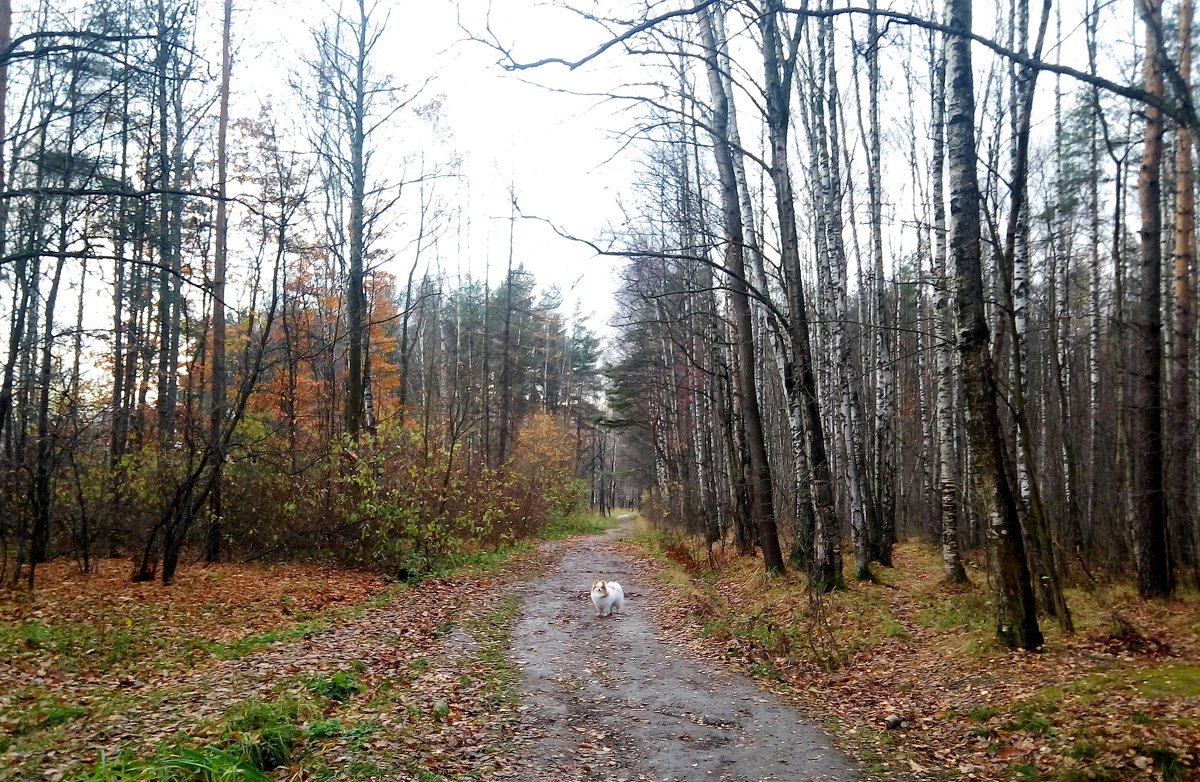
x: 212, y: 548
x: 356, y: 308
x: 1181, y: 423
x: 885, y: 413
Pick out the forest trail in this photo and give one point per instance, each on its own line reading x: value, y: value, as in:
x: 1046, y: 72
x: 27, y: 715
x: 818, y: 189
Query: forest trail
x: 500, y: 677
x: 614, y: 699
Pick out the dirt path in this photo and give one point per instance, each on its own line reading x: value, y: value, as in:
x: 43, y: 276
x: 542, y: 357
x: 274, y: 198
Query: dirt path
x: 612, y: 699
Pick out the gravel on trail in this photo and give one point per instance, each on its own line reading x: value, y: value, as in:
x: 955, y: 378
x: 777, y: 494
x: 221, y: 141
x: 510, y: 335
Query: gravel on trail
x: 614, y: 699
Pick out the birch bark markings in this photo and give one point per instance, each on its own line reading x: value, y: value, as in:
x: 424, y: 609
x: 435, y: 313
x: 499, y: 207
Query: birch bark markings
x: 885, y: 411
x: 1016, y: 619
x: 761, y: 500
x: 825, y: 568
x: 944, y: 332
x: 1016, y: 261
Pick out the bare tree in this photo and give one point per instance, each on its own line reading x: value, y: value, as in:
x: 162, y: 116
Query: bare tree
x: 1016, y: 618
x: 1149, y: 520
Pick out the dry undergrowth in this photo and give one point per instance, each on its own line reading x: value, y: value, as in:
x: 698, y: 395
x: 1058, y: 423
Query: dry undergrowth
x: 95, y: 663
x: 1119, y: 699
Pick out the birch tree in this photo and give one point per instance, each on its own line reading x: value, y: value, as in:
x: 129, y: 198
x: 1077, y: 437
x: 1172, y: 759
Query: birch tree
x: 1016, y: 618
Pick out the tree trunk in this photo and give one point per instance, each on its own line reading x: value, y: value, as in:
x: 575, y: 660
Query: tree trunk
x: 884, y: 532
x: 212, y: 548
x: 356, y: 308
x: 1149, y: 522
x: 761, y: 495
x: 826, y: 564
x: 1016, y: 618
x: 944, y: 327
x: 1180, y: 470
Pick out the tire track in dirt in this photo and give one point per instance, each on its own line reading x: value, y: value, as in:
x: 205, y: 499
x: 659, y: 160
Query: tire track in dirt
x: 614, y: 699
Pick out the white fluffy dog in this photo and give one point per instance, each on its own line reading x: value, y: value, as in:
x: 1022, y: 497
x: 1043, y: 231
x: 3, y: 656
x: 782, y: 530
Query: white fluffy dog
x: 608, y: 597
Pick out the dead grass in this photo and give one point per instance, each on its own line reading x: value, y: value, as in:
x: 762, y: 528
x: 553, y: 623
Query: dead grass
x: 1097, y: 704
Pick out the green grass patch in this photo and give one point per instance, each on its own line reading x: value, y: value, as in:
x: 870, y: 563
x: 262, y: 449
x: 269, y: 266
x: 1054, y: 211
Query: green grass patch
x: 1168, y: 764
x: 1024, y: 772
x: 970, y: 611
x: 982, y: 713
x: 45, y: 714
x: 263, y: 733
x: 340, y: 687
x: 578, y: 524
x: 254, y: 737
x: 183, y: 764
x: 1083, y: 750
x: 491, y: 633
x: 74, y: 647
x: 1172, y: 681
x: 353, y: 735
x: 233, y: 650
x: 1029, y: 719
x: 1175, y: 681
x: 764, y: 671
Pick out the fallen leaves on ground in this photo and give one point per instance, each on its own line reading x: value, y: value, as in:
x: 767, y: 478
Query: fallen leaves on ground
x: 1098, y: 704
x: 436, y: 691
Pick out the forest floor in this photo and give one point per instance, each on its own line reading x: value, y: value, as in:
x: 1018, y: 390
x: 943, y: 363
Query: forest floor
x: 1117, y: 699
x: 505, y: 673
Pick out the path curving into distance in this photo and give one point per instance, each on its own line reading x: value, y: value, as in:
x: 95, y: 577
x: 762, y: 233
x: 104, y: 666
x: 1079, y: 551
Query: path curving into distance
x: 614, y: 699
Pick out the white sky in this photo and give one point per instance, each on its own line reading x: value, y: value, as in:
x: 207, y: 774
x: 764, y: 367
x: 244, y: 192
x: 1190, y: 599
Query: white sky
x: 557, y: 150
x: 552, y: 148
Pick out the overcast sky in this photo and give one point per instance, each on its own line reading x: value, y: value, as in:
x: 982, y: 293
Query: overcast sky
x: 554, y: 150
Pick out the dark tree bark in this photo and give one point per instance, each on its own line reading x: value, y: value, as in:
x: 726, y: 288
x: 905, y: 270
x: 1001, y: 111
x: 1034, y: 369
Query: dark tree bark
x: 1149, y: 522
x: 1016, y: 617
x: 761, y: 500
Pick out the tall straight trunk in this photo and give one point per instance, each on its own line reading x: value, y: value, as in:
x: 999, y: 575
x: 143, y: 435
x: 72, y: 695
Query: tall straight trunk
x: 1061, y: 331
x: 825, y: 567
x: 1181, y: 424
x: 5, y: 41
x: 356, y: 308
x: 779, y: 342
x: 849, y: 410
x: 761, y: 495
x: 122, y: 348
x: 212, y: 549
x: 832, y: 258
x: 506, y: 391
x: 1149, y: 521
x: 885, y: 412
x: 1016, y: 277
x: 1016, y: 618
x: 944, y: 330
x: 165, y: 417
x: 1095, y: 238
x: 40, y: 490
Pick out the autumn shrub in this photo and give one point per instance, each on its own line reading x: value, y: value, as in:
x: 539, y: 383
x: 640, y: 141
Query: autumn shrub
x: 543, y: 469
x: 414, y: 505
x: 408, y: 497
